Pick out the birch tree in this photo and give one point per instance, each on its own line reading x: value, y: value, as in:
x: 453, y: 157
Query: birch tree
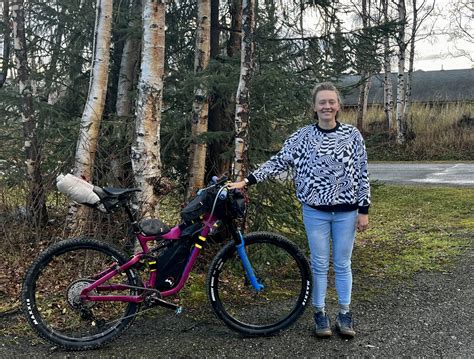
x: 242, y: 108
x: 418, y: 17
x: 5, y: 27
x: 401, y: 86
x: 387, y: 83
x: 146, y: 161
x: 36, y: 206
x: 364, y: 74
x: 92, y: 115
x: 199, y: 124
x: 411, y: 58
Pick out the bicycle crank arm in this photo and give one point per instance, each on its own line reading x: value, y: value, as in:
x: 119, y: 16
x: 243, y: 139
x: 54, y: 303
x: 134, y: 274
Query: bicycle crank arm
x: 154, y: 301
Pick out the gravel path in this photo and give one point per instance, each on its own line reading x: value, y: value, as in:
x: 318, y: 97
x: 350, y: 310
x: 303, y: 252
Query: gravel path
x: 431, y: 315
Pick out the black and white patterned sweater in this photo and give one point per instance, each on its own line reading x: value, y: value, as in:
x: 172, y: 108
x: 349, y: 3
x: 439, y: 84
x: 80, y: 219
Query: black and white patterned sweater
x: 329, y: 168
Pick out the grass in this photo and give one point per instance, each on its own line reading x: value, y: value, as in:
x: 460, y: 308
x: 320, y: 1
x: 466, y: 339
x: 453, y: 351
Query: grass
x: 412, y: 229
x: 435, y: 132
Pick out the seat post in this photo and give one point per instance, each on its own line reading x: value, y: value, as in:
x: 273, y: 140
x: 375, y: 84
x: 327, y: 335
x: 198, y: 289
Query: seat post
x: 135, y: 227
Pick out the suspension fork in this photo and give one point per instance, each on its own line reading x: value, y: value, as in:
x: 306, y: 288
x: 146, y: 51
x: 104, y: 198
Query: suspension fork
x: 240, y: 245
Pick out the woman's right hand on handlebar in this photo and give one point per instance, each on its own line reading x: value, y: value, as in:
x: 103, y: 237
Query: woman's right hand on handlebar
x: 237, y: 185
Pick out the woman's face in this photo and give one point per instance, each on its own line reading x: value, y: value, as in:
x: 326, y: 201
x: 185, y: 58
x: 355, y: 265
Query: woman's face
x: 326, y: 105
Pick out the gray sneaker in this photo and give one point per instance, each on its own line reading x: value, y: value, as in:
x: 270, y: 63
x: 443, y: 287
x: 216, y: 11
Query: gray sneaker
x: 344, y: 324
x: 322, y: 325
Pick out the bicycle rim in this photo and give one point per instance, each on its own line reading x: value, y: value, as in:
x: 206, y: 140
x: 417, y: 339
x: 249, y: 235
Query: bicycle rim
x: 282, y: 270
x: 52, y: 295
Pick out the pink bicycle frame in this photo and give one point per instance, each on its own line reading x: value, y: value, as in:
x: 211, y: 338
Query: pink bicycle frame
x: 173, y: 235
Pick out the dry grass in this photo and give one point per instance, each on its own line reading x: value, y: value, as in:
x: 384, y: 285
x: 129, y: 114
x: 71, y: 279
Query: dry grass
x: 435, y: 132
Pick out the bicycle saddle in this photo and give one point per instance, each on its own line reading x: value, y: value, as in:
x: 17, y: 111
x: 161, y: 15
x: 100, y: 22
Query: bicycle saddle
x: 113, y: 191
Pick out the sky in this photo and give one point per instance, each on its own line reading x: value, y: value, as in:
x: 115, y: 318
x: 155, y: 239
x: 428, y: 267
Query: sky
x: 434, y: 48
x: 440, y: 51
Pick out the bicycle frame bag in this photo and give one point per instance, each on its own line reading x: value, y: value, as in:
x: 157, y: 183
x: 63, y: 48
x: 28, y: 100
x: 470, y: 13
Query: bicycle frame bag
x: 171, y: 263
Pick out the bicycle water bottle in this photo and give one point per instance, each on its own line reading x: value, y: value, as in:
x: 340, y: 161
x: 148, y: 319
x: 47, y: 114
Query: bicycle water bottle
x: 223, y: 194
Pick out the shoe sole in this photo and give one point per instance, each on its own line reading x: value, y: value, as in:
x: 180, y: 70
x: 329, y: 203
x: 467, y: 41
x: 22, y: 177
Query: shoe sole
x: 325, y: 334
x: 345, y: 334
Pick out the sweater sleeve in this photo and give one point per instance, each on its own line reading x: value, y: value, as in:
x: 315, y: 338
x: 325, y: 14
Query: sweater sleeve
x: 281, y: 162
x: 362, y: 173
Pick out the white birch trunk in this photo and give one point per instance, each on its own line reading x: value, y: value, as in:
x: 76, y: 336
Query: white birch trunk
x: 401, y: 85
x: 242, y: 107
x: 146, y: 161
x: 36, y: 207
x: 387, y: 84
x: 93, y: 110
x: 199, y: 125
x: 6, y: 42
x: 411, y: 59
x: 364, y: 77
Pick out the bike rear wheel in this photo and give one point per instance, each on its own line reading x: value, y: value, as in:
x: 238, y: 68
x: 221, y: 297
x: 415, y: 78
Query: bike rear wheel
x: 51, y: 295
x: 282, y: 269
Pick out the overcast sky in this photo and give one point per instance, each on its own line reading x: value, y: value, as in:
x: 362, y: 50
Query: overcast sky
x: 433, y: 52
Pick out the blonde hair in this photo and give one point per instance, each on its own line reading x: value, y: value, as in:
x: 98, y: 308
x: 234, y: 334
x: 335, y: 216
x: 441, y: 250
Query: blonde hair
x: 325, y: 86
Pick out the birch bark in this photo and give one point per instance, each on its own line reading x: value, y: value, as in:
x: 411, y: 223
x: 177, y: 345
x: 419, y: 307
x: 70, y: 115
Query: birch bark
x: 411, y: 60
x: 242, y: 108
x: 401, y: 85
x: 198, y: 148
x: 364, y: 77
x: 146, y: 161
x: 6, y: 42
x: 35, y: 206
x: 387, y: 84
x: 92, y: 115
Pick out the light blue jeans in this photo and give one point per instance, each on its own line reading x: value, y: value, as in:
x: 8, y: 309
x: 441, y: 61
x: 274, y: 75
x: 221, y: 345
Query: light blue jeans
x: 321, y: 227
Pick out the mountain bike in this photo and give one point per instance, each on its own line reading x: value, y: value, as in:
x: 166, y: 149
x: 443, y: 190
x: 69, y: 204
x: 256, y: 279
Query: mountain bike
x: 82, y: 293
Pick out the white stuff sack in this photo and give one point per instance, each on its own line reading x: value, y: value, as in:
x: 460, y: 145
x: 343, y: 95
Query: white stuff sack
x: 77, y: 189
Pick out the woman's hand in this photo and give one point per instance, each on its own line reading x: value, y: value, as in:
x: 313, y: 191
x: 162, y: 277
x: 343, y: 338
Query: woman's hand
x: 236, y: 185
x: 362, y: 222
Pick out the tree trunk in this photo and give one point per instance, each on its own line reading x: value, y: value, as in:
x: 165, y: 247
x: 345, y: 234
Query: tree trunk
x: 364, y: 76
x: 146, y: 160
x: 242, y: 108
x: 36, y: 206
x: 198, y: 148
x: 401, y: 86
x: 411, y: 59
x: 127, y: 77
x: 215, y: 29
x: 235, y: 38
x: 6, y: 42
x: 92, y: 115
x: 221, y: 110
x: 363, y: 98
x: 387, y: 84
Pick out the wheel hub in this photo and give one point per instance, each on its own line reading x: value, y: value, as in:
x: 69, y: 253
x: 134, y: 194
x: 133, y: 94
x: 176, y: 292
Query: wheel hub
x: 74, y: 294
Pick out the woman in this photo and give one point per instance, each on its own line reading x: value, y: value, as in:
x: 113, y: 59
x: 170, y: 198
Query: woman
x: 331, y: 179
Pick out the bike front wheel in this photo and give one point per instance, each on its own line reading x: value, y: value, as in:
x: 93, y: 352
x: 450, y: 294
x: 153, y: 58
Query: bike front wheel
x: 282, y: 269
x: 51, y: 294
